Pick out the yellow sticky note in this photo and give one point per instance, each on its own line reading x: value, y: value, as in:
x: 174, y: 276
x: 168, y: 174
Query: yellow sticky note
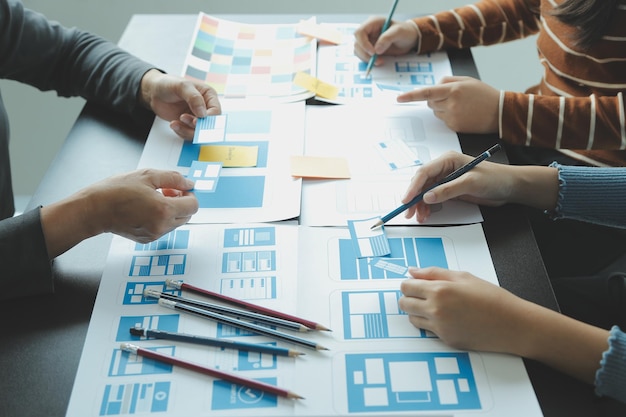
x: 230, y: 156
x: 321, y: 32
x: 319, y: 167
x: 317, y: 86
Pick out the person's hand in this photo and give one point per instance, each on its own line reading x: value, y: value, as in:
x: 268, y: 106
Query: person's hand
x: 468, y: 313
x: 178, y: 100
x: 142, y: 205
x: 399, y: 39
x: 487, y: 184
x: 131, y: 205
x: 464, y: 311
x: 464, y: 104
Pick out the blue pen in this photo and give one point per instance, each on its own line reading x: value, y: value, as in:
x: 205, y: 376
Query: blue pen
x: 385, y: 27
x: 452, y: 176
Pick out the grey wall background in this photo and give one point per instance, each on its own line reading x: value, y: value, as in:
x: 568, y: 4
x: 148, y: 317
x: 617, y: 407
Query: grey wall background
x: 41, y: 121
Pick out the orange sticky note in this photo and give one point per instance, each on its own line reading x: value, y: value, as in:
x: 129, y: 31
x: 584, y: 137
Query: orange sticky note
x: 319, y: 167
x: 321, y: 32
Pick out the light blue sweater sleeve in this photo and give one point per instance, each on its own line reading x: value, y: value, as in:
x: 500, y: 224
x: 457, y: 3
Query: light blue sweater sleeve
x: 592, y: 194
x: 598, y: 195
x: 611, y: 377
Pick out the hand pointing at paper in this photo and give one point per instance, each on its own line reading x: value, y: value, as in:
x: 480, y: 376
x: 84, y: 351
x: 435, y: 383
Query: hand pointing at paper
x: 463, y: 103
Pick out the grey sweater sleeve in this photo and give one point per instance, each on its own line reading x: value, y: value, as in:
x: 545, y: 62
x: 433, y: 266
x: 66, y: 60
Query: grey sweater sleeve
x: 26, y: 269
x: 49, y: 56
x: 592, y: 194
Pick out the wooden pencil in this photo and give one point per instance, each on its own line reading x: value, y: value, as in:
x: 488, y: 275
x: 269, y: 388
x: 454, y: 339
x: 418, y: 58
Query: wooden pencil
x: 230, y: 311
x: 216, y: 373
x: 250, y: 306
x: 251, y: 327
x: 215, y: 342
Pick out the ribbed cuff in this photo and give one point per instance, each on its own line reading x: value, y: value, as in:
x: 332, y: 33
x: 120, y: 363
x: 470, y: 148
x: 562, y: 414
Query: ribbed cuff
x: 611, y: 377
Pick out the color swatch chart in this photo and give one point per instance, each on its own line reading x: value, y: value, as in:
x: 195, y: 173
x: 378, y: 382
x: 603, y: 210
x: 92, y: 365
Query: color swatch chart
x: 245, y: 60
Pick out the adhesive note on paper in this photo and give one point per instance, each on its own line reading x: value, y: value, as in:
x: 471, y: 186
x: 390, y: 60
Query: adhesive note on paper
x: 319, y: 167
x: 321, y: 32
x: 315, y: 85
x: 230, y: 156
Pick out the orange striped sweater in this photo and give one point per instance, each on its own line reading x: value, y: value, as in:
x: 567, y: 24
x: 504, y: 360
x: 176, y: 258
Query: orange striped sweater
x: 578, y: 107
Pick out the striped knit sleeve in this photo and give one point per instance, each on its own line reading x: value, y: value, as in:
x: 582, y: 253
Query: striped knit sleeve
x: 486, y: 22
x: 611, y: 377
x: 579, y: 123
x: 591, y: 194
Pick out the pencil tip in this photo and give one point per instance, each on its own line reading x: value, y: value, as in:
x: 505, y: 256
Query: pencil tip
x: 322, y: 328
x: 295, y: 396
x: 319, y: 347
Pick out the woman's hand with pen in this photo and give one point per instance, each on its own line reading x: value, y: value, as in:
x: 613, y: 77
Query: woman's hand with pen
x: 489, y: 184
x: 399, y: 39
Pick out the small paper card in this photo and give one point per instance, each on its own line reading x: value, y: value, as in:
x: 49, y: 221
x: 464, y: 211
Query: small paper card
x: 205, y: 175
x: 319, y: 167
x: 210, y: 129
x: 389, y: 266
x: 368, y: 242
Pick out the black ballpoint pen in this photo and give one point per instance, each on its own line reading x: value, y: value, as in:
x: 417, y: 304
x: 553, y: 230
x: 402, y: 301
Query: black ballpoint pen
x: 452, y: 176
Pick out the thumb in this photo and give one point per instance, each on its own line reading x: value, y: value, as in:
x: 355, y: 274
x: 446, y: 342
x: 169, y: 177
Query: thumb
x: 170, y: 179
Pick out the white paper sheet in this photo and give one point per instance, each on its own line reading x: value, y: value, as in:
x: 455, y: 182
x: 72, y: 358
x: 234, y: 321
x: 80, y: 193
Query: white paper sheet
x: 377, y: 363
x: 355, y: 132
x: 266, y: 192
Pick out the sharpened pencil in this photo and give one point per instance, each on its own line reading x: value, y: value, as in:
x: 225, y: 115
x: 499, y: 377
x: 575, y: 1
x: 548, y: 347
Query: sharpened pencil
x: 212, y: 341
x: 172, y: 360
x: 244, y: 304
x: 251, y: 327
x: 450, y: 177
x: 229, y: 311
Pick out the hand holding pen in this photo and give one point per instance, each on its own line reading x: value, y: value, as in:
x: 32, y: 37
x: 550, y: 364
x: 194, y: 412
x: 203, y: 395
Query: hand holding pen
x: 456, y: 164
x: 372, y: 60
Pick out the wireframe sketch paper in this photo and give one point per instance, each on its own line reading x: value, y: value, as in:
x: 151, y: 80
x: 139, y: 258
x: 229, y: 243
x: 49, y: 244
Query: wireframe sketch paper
x: 384, y: 146
x: 257, y: 190
x: 378, y: 363
x: 338, y: 66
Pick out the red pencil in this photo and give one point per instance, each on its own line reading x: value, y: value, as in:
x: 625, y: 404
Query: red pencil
x: 253, y: 307
x: 172, y: 360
